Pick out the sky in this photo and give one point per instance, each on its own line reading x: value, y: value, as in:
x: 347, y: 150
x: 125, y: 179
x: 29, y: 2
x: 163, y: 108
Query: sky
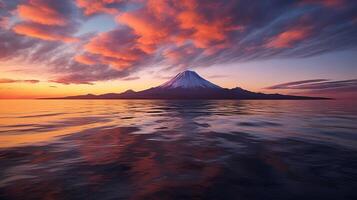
x: 53, y: 48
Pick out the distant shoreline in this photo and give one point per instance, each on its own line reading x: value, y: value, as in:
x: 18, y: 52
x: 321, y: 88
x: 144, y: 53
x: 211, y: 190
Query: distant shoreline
x: 309, y: 98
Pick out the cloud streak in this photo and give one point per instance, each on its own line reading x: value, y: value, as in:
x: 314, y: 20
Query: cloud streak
x: 317, y: 84
x: 296, y: 84
x: 6, y: 80
x: 43, y: 32
x: 320, y: 86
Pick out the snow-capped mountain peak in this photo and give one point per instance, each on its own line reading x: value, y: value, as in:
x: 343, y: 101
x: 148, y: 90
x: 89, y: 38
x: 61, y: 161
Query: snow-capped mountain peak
x: 188, y: 79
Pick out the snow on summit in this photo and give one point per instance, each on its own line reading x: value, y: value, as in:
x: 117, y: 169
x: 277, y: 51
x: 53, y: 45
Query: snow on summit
x: 188, y: 79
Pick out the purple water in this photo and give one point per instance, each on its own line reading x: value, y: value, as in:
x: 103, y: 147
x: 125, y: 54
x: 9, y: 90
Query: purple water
x: 157, y: 149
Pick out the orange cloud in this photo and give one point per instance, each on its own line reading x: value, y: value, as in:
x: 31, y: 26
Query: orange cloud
x: 189, y: 4
x: 85, y: 59
x: 41, y: 32
x: 115, y: 63
x: 289, y: 37
x: 160, y: 8
x: 162, y: 22
x: 46, y: 19
x: 150, y: 32
x: 205, y: 32
x: 39, y: 12
x: 97, y: 6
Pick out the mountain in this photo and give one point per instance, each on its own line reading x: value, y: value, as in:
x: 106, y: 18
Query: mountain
x: 188, y: 85
x: 190, y: 80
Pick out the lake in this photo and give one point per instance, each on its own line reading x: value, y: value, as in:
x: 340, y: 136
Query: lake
x: 166, y: 149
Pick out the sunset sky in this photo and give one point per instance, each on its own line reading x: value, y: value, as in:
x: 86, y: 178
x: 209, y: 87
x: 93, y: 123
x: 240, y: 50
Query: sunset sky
x: 51, y: 48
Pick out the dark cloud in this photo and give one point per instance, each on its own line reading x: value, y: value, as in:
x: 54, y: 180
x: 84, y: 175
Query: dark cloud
x: 6, y: 80
x: 317, y: 84
x: 84, y: 74
x: 321, y: 87
x: 218, y: 76
x: 132, y: 78
x: 13, y: 46
x: 290, y: 85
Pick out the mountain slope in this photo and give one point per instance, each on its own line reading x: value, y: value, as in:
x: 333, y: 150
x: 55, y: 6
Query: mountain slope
x: 189, y: 85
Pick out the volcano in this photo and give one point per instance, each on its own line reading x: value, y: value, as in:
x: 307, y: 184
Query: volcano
x: 189, y: 85
x: 189, y: 80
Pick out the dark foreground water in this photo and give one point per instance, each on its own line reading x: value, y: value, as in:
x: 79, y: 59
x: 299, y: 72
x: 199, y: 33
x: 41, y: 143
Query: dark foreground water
x: 103, y: 149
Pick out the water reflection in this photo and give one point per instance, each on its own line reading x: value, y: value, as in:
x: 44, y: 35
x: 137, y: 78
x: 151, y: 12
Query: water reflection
x: 178, y: 150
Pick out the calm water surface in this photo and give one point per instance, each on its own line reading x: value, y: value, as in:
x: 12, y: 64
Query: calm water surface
x: 156, y: 149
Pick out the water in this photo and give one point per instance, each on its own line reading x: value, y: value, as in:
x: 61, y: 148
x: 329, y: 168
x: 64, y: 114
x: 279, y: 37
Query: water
x: 156, y: 149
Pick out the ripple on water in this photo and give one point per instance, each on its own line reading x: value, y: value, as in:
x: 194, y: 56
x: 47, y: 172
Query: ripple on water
x: 179, y: 150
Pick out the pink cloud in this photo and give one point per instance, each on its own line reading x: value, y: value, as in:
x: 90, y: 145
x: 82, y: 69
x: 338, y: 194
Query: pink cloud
x: 91, y: 7
x: 289, y: 37
x: 42, y: 32
x: 118, y: 56
x: 41, y: 12
x: 46, y: 20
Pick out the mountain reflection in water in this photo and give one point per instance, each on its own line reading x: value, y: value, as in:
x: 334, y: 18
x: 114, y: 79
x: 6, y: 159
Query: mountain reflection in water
x: 143, y: 149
